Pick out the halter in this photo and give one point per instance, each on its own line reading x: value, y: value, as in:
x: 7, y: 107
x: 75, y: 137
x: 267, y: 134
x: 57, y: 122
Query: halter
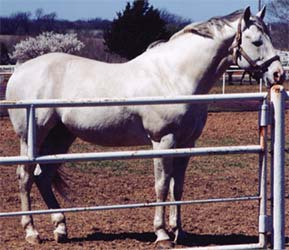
x: 239, y: 51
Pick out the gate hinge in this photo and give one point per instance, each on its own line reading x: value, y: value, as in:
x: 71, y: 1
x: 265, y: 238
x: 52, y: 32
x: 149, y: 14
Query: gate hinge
x: 265, y: 224
x: 264, y: 115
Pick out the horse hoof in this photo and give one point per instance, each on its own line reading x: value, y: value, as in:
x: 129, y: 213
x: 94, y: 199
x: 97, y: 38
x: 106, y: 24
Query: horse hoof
x: 180, y: 237
x: 164, y: 244
x: 60, y: 238
x: 33, y: 239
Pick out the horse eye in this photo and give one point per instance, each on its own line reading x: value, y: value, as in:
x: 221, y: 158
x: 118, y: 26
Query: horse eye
x: 258, y: 43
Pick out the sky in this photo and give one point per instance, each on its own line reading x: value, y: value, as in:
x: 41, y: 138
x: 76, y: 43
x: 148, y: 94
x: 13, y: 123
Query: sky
x: 195, y: 10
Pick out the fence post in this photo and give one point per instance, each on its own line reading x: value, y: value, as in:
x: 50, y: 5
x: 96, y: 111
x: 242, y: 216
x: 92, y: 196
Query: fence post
x: 224, y: 83
x: 31, y: 132
x: 263, y: 217
x: 278, y: 104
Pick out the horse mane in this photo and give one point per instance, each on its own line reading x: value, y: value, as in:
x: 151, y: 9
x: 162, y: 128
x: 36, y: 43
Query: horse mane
x: 205, y: 29
x: 156, y: 44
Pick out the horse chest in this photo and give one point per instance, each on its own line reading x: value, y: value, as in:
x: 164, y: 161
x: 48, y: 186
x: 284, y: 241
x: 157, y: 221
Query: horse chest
x: 184, y: 121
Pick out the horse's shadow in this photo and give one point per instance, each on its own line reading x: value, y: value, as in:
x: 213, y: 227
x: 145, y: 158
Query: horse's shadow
x: 99, y: 236
x: 191, y: 239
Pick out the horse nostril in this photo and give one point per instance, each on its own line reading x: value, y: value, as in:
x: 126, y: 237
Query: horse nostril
x: 277, y: 76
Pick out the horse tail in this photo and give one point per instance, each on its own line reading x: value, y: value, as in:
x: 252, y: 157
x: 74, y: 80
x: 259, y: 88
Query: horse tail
x: 59, y: 182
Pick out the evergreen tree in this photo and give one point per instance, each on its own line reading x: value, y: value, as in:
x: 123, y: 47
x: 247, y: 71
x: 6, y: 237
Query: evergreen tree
x: 4, y: 57
x: 134, y: 29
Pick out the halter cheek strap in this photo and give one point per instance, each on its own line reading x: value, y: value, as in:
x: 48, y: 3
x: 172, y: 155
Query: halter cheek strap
x: 238, y: 51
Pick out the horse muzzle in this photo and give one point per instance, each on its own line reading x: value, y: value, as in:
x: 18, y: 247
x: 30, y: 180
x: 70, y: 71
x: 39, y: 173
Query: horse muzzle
x: 270, y: 71
x: 279, y: 76
x: 274, y: 75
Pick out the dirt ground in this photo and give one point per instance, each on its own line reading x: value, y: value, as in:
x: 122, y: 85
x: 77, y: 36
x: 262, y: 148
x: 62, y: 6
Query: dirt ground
x: 121, y: 182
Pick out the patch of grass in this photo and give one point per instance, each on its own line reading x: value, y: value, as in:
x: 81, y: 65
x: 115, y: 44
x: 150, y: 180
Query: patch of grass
x: 237, y: 164
x: 218, y: 164
x: 114, y: 166
x: 205, y: 165
x: 223, y: 141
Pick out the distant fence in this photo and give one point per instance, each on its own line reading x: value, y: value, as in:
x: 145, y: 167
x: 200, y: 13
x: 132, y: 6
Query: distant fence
x: 234, y: 72
x: 7, y: 69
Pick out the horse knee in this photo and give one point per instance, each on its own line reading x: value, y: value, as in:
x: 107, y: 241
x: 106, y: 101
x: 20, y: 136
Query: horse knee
x: 26, y: 221
x: 167, y: 141
x: 25, y: 175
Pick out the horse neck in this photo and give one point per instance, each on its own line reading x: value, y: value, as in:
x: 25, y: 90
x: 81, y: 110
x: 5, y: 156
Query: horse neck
x: 197, y: 62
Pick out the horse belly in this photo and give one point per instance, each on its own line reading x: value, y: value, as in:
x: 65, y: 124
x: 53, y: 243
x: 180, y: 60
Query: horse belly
x: 112, y: 138
x: 106, y: 126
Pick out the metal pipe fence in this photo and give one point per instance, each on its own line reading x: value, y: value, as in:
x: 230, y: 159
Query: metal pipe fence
x: 278, y: 99
x: 261, y: 149
x: 228, y: 77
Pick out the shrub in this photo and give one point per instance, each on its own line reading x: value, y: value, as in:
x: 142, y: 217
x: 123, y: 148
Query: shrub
x: 45, y: 43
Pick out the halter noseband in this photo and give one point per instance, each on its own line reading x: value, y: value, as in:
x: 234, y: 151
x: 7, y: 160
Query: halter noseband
x: 239, y: 51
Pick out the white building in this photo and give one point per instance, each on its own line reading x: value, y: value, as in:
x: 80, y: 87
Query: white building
x: 284, y: 57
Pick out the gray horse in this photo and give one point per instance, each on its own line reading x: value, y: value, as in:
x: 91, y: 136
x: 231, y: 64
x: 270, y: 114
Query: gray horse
x: 189, y: 63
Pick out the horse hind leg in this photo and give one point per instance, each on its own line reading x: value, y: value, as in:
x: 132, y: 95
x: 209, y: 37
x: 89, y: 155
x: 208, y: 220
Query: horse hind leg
x: 25, y: 177
x: 57, y: 142
x: 44, y: 183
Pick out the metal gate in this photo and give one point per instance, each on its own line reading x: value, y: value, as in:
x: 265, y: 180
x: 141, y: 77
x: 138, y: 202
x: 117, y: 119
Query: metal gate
x: 271, y: 113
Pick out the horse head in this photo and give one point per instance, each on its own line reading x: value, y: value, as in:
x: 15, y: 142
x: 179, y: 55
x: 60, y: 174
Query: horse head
x: 253, y: 49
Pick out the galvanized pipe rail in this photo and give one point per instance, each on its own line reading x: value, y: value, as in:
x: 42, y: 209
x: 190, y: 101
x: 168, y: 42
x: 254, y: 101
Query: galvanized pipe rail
x: 125, y: 155
x: 154, y: 100
x: 31, y: 105
x: 129, y: 206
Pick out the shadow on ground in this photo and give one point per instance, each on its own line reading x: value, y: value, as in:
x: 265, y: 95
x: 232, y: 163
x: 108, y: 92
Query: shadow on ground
x: 191, y: 239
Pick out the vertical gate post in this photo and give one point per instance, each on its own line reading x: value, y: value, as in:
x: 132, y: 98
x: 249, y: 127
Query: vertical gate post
x: 224, y: 83
x: 278, y: 104
x: 263, y: 217
x: 31, y: 132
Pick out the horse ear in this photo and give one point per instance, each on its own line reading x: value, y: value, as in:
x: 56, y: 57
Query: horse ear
x: 247, y: 14
x: 261, y: 13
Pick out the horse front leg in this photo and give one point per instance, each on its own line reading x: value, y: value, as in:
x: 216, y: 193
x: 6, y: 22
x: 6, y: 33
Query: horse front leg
x: 176, y: 192
x: 162, y: 171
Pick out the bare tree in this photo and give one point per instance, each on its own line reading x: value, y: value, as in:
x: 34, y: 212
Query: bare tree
x: 173, y: 22
x: 279, y: 9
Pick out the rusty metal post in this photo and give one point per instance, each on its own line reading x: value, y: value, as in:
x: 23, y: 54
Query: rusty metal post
x: 278, y: 104
x: 272, y: 129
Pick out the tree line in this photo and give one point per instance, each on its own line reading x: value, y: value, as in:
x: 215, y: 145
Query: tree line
x: 128, y: 35
x: 25, y: 23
